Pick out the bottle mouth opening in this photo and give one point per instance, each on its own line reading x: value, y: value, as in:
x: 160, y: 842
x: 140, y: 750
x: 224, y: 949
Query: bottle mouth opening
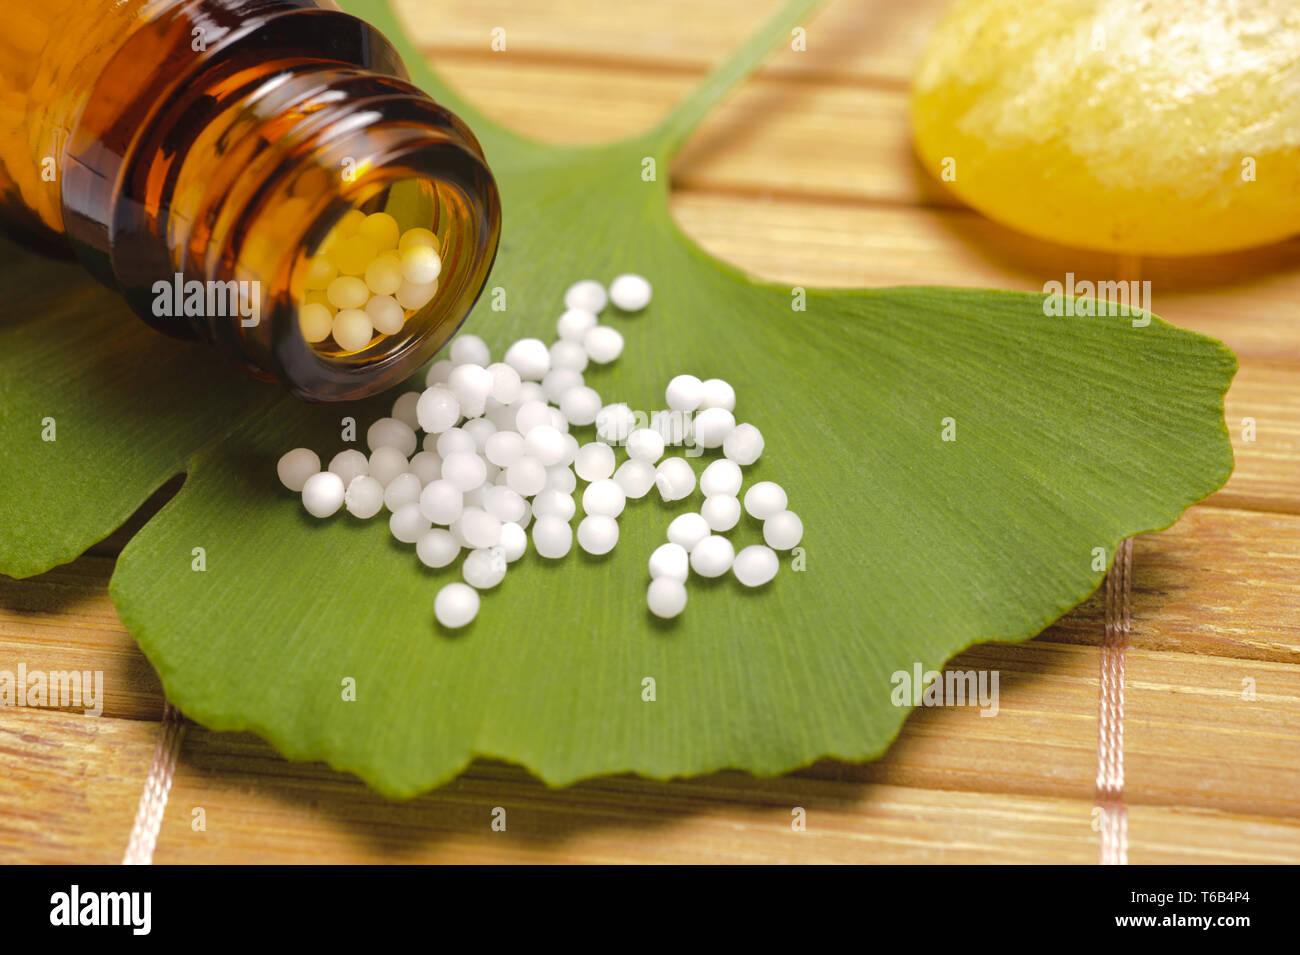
x: 391, y: 252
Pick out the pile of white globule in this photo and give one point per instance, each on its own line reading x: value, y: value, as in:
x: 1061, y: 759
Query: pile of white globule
x: 497, y: 455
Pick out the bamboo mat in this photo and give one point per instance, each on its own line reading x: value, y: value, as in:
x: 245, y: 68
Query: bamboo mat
x: 805, y: 176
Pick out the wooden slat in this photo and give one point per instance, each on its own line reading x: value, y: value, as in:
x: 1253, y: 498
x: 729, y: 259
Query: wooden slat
x: 1267, y: 450
x: 1160, y: 835
x: 848, y: 41
x: 69, y: 785
x: 831, y: 142
x: 64, y: 620
x: 1222, y: 583
x: 255, y: 808
x: 1190, y: 740
x: 1043, y: 739
x: 1212, y: 732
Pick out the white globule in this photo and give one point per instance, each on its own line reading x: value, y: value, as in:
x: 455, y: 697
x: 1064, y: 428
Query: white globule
x: 587, y: 295
x: 407, y: 523
x: 349, y: 464
x: 438, y: 373
x: 455, y: 440
x: 636, y: 478
x: 469, y: 349
x: 532, y: 413
x: 666, y: 597
x: 322, y: 494
x: 530, y: 357
x: 484, y: 567
x: 574, y: 324
x: 721, y: 477
x: 580, y: 405
x: 670, y: 560
x: 558, y: 421
x: 568, y: 356
x: 687, y: 530
x: 675, y: 479
x: 404, y: 409
x: 783, y: 530
x: 571, y: 446
x: 526, y: 476
x: 629, y: 293
x: 713, y: 556
x: 296, y: 466
x: 427, y: 466
x: 614, y: 423
x: 555, y: 504
x: 464, y: 469
x: 456, y: 605
x: 743, y: 445
x: 437, y: 547
x: 597, y: 534
x: 480, y: 429
x: 506, y: 383
x: 441, y: 502
x: 437, y: 409
x: 503, y: 504
x: 558, y: 381
x: 594, y: 461
x: 552, y: 537
x: 603, y: 344
x: 560, y: 478
x: 755, y: 565
x: 684, y: 393
x: 514, y: 541
x: 403, y: 489
x: 386, y: 463
x: 479, y: 528
x: 721, y: 512
x: 364, y: 497
x: 604, y: 498
x: 765, y: 499
x: 503, y: 416
x: 546, y: 444
x: 504, y: 448
x: 531, y: 391
x: 716, y: 393
x: 474, y: 498
x: 471, y: 385
x: 645, y: 445
x: 712, y: 426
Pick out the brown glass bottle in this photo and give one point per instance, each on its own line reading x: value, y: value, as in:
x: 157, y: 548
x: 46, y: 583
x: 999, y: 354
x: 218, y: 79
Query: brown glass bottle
x: 218, y: 142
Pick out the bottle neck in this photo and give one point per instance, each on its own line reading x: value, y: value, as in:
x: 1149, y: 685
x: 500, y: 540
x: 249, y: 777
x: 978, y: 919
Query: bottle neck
x: 198, y: 189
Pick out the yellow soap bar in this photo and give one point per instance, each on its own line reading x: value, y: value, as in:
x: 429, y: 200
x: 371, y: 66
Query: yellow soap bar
x: 1169, y: 127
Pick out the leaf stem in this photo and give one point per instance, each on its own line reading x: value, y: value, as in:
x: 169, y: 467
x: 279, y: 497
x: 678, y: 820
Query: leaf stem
x: 672, y: 133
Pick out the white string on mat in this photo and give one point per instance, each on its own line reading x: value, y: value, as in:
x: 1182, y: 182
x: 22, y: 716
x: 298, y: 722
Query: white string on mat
x: 153, y: 800
x: 1110, y: 722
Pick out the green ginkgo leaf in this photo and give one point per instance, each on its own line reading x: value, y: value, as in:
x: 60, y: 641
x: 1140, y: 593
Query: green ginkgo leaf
x: 1071, y: 433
